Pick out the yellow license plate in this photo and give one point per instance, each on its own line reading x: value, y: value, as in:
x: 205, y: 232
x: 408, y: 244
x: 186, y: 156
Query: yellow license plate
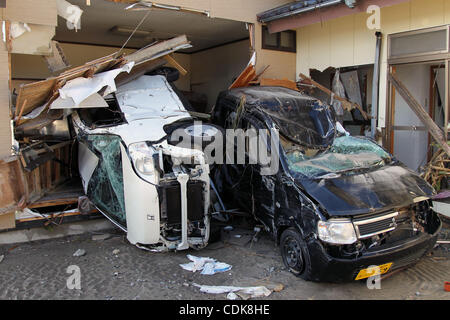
x: 373, y: 271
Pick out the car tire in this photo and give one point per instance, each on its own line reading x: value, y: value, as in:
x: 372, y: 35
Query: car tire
x: 215, y: 233
x: 295, y: 254
x: 208, y: 130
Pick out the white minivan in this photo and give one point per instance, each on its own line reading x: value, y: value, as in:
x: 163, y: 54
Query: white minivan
x: 157, y: 192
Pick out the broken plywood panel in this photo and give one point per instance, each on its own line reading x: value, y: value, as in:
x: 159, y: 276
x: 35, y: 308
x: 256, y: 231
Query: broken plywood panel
x: 244, y: 78
x: 31, y: 11
x: 8, y: 221
x: 35, y: 94
x: 11, y: 186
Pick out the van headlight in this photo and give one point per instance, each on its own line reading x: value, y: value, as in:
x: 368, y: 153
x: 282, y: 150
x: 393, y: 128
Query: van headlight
x: 142, y: 157
x: 337, y: 231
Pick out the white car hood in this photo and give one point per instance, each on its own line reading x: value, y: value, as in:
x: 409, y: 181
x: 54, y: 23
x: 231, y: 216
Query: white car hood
x: 149, y: 97
x: 148, y: 104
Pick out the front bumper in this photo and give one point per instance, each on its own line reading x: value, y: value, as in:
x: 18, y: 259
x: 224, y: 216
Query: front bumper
x: 401, y: 254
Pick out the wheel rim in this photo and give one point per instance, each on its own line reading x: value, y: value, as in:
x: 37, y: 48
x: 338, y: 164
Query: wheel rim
x: 201, y: 131
x: 293, y: 254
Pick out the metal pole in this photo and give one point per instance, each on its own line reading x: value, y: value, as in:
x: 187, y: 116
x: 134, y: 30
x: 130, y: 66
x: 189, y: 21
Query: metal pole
x: 375, y: 86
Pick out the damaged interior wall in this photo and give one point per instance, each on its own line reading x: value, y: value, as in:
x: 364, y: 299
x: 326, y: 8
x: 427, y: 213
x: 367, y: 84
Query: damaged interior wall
x: 347, y: 41
x: 282, y: 64
x: 214, y: 70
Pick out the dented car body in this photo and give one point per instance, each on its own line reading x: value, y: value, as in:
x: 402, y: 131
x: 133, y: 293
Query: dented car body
x: 134, y: 176
x: 341, y: 207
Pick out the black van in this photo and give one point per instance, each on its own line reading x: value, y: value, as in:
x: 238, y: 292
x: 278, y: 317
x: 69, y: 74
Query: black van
x: 340, y: 207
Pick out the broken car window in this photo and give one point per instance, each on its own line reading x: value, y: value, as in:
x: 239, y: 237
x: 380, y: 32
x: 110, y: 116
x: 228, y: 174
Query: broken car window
x: 105, y: 189
x: 346, y: 154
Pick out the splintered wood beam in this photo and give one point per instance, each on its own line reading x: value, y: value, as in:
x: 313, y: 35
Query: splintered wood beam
x: 148, y: 53
x: 347, y: 104
x: 431, y: 126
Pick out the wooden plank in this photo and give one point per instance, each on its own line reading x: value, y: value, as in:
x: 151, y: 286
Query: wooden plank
x: 432, y: 127
x: 68, y: 214
x: 174, y: 63
x: 156, y: 49
x: 346, y: 104
x: 21, y: 112
x: 244, y: 78
x: 53, y: 202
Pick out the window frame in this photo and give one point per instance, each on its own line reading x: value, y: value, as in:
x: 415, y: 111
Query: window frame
x: 278, y: 47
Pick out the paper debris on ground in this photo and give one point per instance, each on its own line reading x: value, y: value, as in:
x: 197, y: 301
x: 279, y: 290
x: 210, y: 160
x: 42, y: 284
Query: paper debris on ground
x: 243, y: 292
x: 79, y: 253
x: 208, y: 266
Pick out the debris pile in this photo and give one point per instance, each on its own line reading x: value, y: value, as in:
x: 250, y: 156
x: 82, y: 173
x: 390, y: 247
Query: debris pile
x: 436, y: 171
x: 207, y: 266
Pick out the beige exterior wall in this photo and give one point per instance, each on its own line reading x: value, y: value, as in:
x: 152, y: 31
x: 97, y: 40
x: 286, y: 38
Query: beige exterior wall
x: 347, y: 41
x: 281, y: 64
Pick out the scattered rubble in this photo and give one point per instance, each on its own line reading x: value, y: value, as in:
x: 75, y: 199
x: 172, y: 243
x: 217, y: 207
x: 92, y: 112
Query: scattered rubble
x: 116, y: 252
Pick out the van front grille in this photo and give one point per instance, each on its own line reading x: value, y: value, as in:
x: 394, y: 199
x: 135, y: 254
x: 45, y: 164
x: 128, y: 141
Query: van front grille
x: 372, y: 225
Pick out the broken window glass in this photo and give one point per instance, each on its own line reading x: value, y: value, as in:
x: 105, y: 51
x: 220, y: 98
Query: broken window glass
x: 105, y: 188
x: 346, y: 154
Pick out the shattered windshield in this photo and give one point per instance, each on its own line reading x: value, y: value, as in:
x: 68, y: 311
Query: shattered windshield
x: 345, y: 155
x: 300, y: 118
